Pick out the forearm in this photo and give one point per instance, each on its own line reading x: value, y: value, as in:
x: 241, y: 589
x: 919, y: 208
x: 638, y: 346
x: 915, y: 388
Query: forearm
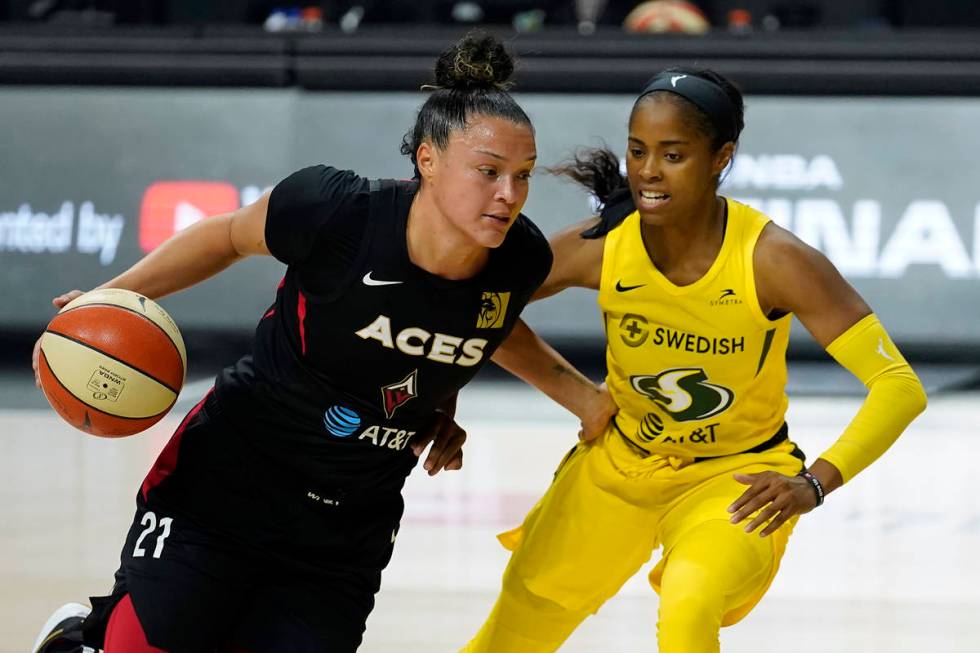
x: 449, y: 405
x: 525, y: 355
x: 895, y: 397
x: 187, y: 258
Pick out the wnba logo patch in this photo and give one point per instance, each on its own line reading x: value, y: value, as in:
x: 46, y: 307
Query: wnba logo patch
x: 341, y: 421
x: 493, y: 310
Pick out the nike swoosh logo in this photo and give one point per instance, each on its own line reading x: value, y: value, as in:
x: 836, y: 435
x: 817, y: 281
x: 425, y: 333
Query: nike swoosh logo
x: 368, y: 281
x: 676, y: 78
x: 621, y: 288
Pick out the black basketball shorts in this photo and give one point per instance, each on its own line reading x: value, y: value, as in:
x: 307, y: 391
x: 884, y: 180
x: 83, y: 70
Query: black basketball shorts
x: 294, y: 576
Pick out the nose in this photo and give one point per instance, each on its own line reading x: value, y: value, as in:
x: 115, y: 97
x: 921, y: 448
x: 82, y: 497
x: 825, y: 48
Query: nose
x: 507, y: 191
x: 650, y: 170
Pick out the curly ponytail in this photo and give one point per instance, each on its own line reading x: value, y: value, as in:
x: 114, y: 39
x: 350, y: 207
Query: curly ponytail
x: 472, y: 78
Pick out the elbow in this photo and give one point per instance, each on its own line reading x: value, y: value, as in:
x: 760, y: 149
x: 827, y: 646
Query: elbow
x: 915, y: 398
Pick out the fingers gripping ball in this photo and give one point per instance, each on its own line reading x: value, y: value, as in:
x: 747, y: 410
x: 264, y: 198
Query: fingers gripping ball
x: 112, y: 363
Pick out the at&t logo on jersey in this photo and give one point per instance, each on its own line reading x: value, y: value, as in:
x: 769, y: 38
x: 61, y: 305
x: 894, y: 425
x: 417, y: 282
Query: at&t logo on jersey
x: 341, y: 421
x: 684, y: 393
x: 651, y: 426
x: 415, y: 341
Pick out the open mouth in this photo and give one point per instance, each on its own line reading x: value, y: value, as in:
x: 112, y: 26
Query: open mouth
x: 649, y: 200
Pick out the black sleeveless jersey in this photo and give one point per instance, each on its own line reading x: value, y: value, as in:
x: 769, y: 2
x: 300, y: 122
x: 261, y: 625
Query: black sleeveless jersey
x: 361, y: 346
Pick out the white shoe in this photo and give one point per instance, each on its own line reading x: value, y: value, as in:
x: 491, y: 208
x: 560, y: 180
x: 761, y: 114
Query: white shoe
x: 62, y: 633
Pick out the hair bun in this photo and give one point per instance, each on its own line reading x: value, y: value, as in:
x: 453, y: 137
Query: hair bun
x: 477, y: 62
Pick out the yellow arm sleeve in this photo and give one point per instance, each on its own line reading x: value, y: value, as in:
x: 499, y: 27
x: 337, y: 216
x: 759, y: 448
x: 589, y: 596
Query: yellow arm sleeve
x: 895, y: 396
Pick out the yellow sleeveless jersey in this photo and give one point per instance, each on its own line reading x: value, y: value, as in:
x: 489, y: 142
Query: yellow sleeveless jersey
x: 696, y: 370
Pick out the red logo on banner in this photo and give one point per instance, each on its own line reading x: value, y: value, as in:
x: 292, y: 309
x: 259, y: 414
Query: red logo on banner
x: 170, y: 206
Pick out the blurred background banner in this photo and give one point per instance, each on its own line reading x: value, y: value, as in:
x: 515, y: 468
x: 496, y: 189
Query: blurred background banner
x: 93, y: 178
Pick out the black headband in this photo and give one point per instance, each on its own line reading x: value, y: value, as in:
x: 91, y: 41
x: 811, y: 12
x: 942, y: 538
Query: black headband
x: 704, y: 94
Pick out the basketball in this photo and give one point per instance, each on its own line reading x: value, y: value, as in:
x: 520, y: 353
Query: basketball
x: 659, y: 16
x: 112, y: 363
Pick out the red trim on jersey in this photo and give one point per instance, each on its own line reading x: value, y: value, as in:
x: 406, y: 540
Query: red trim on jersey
x: 301, y: 314
x: 167, y: 460
x: 282, y: 282
x: 269, y: 313
x: 124, y: 633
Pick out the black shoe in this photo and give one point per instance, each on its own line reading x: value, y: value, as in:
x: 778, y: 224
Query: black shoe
x: 63, y: 631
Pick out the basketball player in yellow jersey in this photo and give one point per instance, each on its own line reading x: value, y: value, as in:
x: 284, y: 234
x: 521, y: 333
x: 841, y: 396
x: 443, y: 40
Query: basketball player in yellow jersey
x: 696, y: 293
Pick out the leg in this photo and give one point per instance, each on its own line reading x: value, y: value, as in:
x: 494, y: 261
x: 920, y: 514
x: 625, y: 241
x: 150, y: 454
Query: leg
x: 124, y: 634
x: 316, y: 595
x: 712, y: 570
x: 521, y: 621
x: 309, y: 612
x: 179, y: 589
x: 577, y: 547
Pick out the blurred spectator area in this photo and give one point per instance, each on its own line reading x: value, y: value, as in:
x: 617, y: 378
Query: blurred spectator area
x: 812, y: 47
x: 791, y: 13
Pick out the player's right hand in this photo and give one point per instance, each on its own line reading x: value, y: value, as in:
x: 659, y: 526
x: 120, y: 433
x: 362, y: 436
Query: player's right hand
x: 58, y: 302
x: 601, y: 409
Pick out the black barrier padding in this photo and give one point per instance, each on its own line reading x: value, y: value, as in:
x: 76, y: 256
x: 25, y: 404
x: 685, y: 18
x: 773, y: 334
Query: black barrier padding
x: 143, y: 69
x: 142, y: 44
x: 587, y: 75
x: 928, y: 62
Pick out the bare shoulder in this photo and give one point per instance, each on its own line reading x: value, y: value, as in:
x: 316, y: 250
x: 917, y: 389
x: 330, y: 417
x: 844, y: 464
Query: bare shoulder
x: 793, y: 277
x: 577, y: 260
x: 779, y: 251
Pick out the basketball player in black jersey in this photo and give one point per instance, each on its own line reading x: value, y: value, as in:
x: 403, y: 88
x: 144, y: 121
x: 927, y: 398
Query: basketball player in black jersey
x: 266, y: 521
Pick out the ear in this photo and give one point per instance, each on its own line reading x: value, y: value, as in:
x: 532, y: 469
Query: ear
x: 426, y: 158
x: 723, y: 158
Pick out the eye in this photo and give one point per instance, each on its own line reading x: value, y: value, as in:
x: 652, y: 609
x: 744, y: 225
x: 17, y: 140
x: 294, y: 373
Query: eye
x: 673, y: 157
x: 524, y: 176
x: 489, y: 172
x: 636, y: 152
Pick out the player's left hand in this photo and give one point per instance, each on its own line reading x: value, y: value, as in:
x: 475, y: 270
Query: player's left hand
x: 447, y: 439
x: 776, y: 496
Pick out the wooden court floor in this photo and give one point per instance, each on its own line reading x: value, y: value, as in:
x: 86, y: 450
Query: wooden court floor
x: 891, y: 563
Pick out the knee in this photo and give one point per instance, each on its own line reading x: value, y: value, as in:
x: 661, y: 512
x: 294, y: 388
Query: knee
x: 692, y: 601
x: 689, y: 623
x: 698, y: 608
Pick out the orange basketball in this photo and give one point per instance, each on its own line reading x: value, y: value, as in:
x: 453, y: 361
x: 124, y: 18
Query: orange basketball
x: 112, y: 363
x: 658, y: 16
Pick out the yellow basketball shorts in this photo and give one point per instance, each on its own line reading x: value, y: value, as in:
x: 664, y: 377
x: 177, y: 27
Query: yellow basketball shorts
x: 608, y: 509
